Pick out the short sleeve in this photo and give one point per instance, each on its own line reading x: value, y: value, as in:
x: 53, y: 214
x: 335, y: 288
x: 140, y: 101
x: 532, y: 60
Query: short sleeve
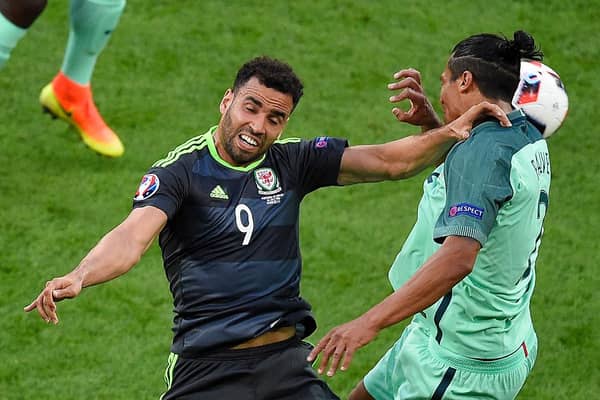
x: 317, y: 162
x: 164, y: 188
x: 477, y: 176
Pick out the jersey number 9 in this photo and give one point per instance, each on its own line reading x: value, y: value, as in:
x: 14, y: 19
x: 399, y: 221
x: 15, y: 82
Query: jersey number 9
x: 244, y: 222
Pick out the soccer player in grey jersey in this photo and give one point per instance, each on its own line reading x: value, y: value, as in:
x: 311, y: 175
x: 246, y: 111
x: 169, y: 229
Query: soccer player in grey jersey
x: 225, y: 206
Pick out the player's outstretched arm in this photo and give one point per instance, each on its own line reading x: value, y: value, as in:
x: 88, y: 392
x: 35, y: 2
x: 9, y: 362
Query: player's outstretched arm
x: 116, y: 253
x: 408, y: 156
x: 446, y: 267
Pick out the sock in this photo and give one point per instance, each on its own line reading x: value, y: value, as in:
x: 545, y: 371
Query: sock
x: 10, y: 34
x: 92, y: 22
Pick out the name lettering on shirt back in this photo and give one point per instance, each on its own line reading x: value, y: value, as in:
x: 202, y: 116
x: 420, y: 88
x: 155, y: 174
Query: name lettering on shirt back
x: 541, y: 163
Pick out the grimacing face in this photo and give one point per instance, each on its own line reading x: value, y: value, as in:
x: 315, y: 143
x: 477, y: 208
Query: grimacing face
x: 252, y: 118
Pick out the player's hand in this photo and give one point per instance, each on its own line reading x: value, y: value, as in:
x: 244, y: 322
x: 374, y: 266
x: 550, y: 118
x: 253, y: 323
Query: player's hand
x: 421, y: 112
x: 57, y: 289
x: 461, y: 127
x: 341, y: 343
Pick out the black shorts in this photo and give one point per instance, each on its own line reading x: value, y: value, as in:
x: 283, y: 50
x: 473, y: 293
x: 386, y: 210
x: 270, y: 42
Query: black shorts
x: 277, y: 371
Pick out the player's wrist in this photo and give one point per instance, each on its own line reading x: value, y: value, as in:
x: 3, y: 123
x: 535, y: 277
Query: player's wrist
x: 453, y: 131
x: 78, y: 275
x: 373, y: 321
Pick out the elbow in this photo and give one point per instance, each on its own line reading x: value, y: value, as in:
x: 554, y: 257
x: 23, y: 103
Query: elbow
x: 400, y: 170
x: 125, y: 260
x: 457, y: 270
x: 462, y: 262
x: 463, y: 268
x: 461, y: 254
x: 131, y: 260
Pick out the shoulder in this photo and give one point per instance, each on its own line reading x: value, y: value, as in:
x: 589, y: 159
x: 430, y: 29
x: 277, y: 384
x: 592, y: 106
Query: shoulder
x: 485, y: 156
x: 495, y: 138
x: 184, y: 152
x: 288, y: 144
x: 317, y: 144
x: 491, y: 143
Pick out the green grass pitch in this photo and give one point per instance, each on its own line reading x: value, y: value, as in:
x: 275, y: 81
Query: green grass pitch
x: 159, y: 82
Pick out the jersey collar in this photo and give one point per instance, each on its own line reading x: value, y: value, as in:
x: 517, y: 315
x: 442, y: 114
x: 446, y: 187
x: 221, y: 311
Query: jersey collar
x: 215, y: 154
x: 515, y: 117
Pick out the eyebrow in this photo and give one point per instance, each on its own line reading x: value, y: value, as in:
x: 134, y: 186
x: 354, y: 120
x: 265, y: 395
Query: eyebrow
x: 254, y: 100
x: 260, y: 104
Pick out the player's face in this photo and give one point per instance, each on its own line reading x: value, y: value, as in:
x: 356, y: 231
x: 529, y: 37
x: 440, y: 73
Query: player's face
x: 252, y: 119
x: 450, y: 96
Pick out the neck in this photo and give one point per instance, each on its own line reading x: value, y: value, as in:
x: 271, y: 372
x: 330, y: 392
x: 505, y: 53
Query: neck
x: 504, y: 105
x: 221, y: 150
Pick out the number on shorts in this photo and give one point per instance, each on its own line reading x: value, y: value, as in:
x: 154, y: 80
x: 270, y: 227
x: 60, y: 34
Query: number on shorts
x: 543, y: 201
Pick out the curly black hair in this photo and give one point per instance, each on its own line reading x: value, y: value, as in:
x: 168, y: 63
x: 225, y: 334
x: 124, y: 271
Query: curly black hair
x: 273, y: 74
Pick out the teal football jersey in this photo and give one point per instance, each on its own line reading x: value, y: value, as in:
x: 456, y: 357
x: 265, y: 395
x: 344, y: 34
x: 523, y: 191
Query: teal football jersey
x: 493, y: 188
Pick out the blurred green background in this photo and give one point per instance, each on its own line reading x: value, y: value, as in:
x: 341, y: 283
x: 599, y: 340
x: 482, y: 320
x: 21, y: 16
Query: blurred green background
x: 159, y: 82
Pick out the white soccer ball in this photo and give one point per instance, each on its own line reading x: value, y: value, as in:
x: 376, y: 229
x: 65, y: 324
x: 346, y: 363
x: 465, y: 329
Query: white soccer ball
x: 542, y: 96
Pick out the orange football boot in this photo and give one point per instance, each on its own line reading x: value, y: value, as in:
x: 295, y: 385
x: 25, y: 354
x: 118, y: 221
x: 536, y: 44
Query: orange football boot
x: 73, y: 102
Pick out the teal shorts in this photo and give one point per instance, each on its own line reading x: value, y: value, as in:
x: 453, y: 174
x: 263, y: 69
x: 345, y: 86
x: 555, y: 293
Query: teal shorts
x: 416, y: 367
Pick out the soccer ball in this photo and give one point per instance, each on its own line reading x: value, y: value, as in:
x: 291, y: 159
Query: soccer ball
x: 542, y: 96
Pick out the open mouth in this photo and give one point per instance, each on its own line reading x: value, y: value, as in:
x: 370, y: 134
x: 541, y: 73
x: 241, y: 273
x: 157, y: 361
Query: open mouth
x: 247, y: 142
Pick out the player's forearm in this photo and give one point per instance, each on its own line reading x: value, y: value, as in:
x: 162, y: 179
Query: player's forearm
x: 412, y: 154
x: 431, y: 282
x: 395, y: 160
x: 113, y: 256
x: 121, y: 248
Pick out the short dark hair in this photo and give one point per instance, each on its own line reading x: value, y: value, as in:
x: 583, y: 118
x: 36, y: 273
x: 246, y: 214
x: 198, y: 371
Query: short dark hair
x: 273, y: 74
x: 494, y: 61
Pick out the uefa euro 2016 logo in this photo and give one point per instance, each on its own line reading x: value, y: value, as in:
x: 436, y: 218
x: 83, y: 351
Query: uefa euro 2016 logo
x: 148, y: 186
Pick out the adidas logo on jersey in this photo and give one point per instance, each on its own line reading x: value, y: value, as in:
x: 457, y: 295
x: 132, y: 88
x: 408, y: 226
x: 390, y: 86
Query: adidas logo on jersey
x: 219, y: 193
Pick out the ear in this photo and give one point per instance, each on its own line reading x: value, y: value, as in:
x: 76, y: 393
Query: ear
x: 286, y: 121
x: 226, y: 101
x: 465, y: 82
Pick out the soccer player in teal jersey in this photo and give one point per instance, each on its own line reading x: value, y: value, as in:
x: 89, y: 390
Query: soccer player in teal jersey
x: 467, y: 270
x: 69, y: 95
x: 225, y: 206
